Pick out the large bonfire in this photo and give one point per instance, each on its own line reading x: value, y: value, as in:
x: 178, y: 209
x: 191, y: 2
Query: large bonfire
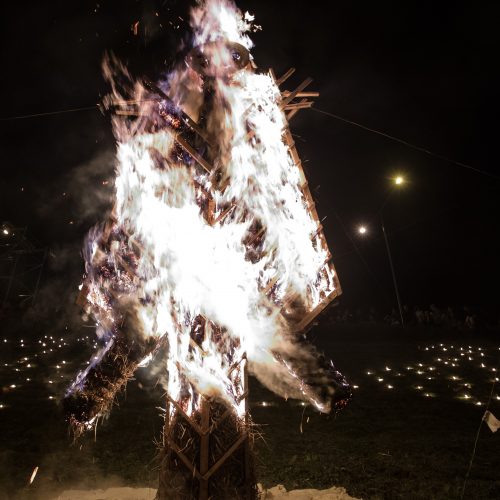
x: 213, y: 252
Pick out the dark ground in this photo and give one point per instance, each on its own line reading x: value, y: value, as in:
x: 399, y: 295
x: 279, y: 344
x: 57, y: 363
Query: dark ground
x: 399, y: 442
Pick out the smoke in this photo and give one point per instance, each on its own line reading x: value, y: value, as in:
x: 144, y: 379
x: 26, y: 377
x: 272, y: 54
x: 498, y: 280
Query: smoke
x: 82, y: 195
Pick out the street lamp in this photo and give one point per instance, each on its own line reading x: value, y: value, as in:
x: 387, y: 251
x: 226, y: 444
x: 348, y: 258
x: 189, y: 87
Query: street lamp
x: 398, y: 180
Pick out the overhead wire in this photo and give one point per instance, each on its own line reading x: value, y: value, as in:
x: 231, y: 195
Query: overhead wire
x: 327, y: 113
x: 48, y: 113
x: 406, y: 143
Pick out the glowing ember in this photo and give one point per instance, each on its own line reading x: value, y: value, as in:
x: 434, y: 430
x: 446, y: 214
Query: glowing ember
x: 33, y: 475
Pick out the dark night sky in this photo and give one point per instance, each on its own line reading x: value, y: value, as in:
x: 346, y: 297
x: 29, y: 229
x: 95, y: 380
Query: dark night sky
x: 422, y: 71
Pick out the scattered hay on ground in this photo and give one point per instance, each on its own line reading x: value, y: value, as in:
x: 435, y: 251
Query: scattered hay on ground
x: 277, y: 493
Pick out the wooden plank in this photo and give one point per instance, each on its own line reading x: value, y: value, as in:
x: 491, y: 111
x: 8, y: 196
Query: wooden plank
x: 256, y: 235
x: 318, y: 309
x: 271, y: 283
x: 225, y: 213
x: 131, y: 102
x: 128, y: 112
x: 210, y: 213
x: 184, y: 116
x: 196, y: 156
x: 293, y: 94
x: 285, y: 77
x: 244, y: 396
x: 294, y: 111
x: 188, y: 419
x: 290, y: 297
x: 226, y: 455
x: 184, y: 459
x: 298, y: 105
x: 221, y: 419
x: 236, y: 364
x: 286, y: 93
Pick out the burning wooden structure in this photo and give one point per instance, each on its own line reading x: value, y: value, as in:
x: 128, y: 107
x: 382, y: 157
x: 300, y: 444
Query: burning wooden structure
x: 232, y: 176
x: 196, y: 447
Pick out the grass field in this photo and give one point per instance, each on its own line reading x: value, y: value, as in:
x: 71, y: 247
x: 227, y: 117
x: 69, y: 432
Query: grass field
x: 409, y: 435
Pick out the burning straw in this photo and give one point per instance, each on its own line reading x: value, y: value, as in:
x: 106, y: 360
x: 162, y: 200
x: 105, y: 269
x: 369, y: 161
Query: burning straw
x: 214, y: 250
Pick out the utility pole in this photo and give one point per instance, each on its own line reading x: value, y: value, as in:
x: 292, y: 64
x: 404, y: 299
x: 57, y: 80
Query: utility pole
x: 394, y: 280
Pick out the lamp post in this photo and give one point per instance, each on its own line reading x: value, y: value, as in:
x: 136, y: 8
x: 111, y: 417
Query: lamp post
x: 362, y: 230
x: 394, y: 280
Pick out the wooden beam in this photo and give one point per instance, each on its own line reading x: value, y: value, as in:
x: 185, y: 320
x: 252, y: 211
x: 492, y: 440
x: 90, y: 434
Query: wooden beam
x: 225, y: 213
x: 221, y: 419
x: 271, y: 284
x: 292, y: 113
x: 184, y: 116
x: 226, y: 455
x: 188, y: 419
x: 128, y: 112
x: 298, y: 105
x: 196, y: 156
x: 308, y: 318
x: 184, y: 459
x: 256, y: 235
x: 131, y: 102
x: 285, y: 77
x: 286, y: 93
x: 293, y: 94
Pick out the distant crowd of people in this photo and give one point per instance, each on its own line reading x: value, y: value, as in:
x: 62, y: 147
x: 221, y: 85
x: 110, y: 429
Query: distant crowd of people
x: 464, y: 318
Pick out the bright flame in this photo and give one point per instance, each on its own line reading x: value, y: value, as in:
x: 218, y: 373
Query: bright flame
x: 216, y: 263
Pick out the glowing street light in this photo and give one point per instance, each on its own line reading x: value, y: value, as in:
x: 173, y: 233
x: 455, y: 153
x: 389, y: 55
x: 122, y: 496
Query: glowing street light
x: 398, y: 180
